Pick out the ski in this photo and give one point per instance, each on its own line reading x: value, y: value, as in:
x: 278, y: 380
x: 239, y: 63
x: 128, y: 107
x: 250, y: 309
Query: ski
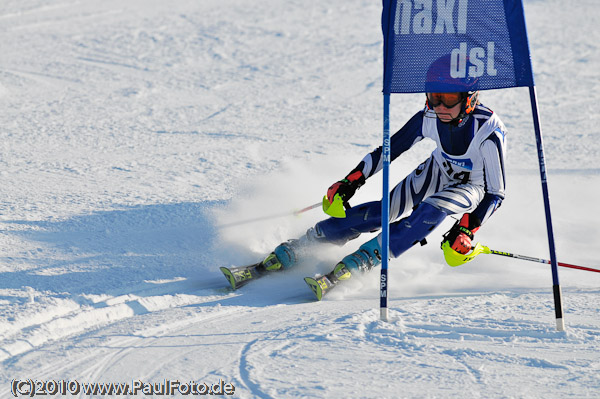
x: 238, y: 276
x: 241, y: 275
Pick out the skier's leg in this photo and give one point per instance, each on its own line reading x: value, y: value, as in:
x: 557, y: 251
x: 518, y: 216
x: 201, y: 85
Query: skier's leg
x: 457, y: 199
x: 413, y: 229
x: 359, y: 219
x: 403, y: 235
x: 407, y: 232
x: 430, y: 213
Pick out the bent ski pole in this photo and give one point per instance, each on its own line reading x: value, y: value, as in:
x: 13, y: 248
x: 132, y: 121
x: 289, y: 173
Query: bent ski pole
x: 454, y: 258
x: 294, y: 213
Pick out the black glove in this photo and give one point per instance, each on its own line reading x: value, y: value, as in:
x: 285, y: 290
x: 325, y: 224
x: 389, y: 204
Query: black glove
x: 346, y: 187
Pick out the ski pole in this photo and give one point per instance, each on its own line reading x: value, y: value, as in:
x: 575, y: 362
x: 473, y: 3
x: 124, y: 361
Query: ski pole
x: 260, y: 218
x: 454, y: 258
x: 308, y: 208
x: 531, y: 259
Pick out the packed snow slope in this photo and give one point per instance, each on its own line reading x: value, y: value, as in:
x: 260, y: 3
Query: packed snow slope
x: 137, y: 136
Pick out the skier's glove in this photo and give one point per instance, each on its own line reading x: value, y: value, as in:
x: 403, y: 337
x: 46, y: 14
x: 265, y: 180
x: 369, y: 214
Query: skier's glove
x: 346, y: 187
x: 461, y: 234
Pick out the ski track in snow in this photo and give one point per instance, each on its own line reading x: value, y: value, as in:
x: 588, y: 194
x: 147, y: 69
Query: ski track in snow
x: 130, y: 131
x: 300, y: 345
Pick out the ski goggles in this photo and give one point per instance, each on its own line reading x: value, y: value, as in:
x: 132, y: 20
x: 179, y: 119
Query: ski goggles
x: 448, y: 99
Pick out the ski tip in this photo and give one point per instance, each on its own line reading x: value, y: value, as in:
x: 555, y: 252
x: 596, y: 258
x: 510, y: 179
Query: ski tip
x: 315, y: 287
x: 229, y: 276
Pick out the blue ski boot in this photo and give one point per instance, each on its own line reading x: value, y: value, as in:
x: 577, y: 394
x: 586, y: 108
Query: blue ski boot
x: 363, y: 260
x: 285, y: 255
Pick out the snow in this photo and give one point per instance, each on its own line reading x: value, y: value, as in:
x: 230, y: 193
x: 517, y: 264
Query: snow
x: 134, y: 133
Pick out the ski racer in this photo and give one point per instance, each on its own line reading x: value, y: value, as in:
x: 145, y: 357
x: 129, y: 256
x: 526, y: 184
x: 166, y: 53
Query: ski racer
x: 463, y: 176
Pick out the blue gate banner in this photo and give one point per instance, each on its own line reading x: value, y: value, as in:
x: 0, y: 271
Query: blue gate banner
x: 454, y: 45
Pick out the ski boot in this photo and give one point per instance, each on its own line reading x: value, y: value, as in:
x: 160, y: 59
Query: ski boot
x: 283, y: 256
x: 363, y: 260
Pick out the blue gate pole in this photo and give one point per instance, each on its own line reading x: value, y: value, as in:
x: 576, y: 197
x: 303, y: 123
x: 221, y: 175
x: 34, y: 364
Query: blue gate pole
x: 385, y: 210
x: 558, y: 309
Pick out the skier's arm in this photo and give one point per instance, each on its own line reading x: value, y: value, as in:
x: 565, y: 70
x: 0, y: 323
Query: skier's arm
x: 401, y: 141
x: 410, y: 134
x: 492, y: 150
x: 461, y: 234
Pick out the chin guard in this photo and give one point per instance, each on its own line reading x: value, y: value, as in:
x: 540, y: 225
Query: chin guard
x: 454, y: 258
x: 336, y: 208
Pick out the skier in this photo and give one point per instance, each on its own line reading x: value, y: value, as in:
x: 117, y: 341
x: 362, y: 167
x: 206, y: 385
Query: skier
x: 463, y: 176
